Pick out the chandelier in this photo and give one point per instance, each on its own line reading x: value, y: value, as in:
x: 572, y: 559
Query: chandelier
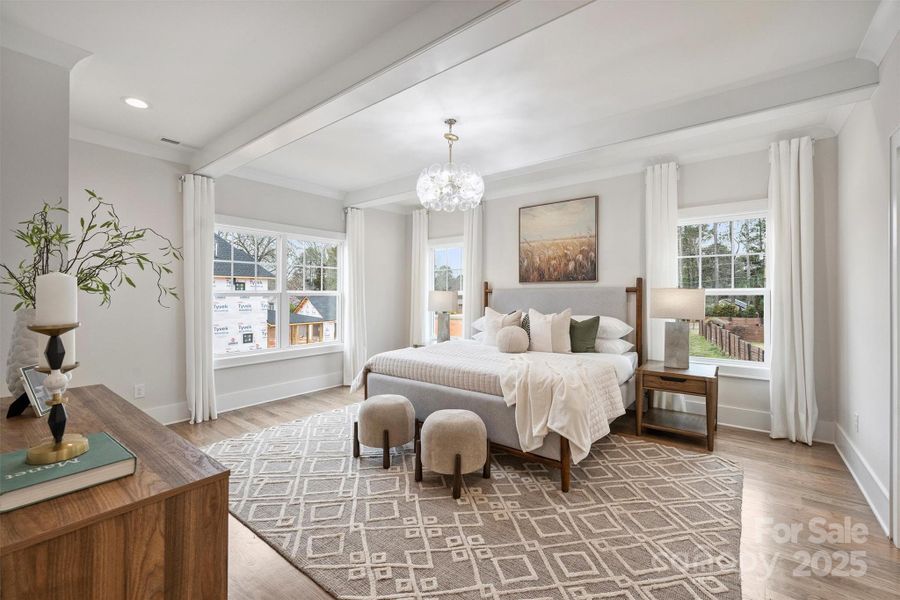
x: 449, y: 187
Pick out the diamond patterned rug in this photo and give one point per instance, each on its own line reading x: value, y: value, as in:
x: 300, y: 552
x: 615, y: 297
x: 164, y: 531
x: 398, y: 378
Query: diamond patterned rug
x: 642, y: 520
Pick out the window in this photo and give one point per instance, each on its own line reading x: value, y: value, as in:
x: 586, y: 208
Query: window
x: 727, y: 257
x: 273, y: 290
x: 447, y: 275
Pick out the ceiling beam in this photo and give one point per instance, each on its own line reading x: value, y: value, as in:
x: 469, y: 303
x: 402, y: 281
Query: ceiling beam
x: 819, y: 88
x: 439, y: 37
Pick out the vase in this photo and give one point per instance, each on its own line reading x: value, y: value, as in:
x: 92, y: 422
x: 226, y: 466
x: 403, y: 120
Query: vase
x: 23, y: 351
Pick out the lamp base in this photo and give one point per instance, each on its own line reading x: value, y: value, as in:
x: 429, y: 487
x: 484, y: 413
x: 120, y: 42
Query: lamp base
x: 72, y: 445
x: 443, y: 327
x: 678, y: 345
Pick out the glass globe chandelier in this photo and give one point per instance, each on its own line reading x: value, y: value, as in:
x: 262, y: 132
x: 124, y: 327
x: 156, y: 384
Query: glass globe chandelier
x: 449, y: 187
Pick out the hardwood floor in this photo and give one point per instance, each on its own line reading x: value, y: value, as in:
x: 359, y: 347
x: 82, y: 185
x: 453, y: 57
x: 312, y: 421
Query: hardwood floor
x: 785, y: 485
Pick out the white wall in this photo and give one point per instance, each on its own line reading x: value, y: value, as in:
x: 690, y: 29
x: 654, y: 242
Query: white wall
x: 34, y: 156
x: 134, y: 339
x: 254, y: 200
x: 862, y: 337
x: 387, y: 280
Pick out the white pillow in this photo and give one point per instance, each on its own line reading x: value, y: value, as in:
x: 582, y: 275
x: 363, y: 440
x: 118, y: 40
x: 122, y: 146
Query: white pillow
x: 479, y: 337
x: 512, y: 339
x: 610, y: 328
x: 549, y: 333
x: 494, y: 322
x: 613, y: 346
x: 478, y: 325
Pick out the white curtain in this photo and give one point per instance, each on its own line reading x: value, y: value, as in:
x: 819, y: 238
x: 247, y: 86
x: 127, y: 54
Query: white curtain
x: 354, y: 295
x: 419, y: 284
x: 791, y: 386
x: 661, y: 214
x: 473, y: 246
x: 199, y: 205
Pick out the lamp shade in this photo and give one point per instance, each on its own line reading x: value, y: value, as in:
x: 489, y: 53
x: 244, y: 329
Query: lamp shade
x: 442, y: 301
x: 678, y: 303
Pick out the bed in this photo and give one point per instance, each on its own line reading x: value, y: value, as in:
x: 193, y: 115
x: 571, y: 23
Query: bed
x: 466, y: 374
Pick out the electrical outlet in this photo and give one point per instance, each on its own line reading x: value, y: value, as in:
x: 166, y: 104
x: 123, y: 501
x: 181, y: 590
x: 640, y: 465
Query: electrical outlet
x: 139, y: 391
x: 856, y: 421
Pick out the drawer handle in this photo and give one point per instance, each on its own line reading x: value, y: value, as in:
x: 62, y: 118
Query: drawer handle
x: 675, y: 379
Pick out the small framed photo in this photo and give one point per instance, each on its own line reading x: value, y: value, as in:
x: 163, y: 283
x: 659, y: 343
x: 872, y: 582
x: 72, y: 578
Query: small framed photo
x: 34, y: 387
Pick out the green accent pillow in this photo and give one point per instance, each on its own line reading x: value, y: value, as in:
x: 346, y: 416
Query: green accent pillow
x: 584, y: 334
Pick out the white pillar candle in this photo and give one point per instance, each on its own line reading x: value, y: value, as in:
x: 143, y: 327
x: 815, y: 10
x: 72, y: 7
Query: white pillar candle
x: 56, y: 303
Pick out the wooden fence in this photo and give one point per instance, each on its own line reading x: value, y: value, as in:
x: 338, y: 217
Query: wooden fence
x: 731, y: 344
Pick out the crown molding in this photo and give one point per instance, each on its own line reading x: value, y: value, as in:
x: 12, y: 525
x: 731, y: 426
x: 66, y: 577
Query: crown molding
x: 882, y: 30
x: 287, y: 182
x: 173, y: 154
x: 39, y: 46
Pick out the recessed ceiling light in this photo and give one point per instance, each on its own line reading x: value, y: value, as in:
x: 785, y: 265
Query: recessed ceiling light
x: 135, y: 102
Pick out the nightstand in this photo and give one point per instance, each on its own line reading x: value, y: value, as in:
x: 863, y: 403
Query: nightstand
x: 697, y: 380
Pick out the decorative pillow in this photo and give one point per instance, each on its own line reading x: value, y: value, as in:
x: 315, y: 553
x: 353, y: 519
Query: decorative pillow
x: 610, y: 328
x: 584, y: 334
x: 526, y: 325
x: 549, y: 333
x: 479, y: 337
x: 512, y: 339
x: 613, y: 346
x: 494, y: 322
x: 478, y: 325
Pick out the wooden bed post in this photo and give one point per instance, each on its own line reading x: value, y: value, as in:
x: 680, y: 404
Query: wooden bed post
x: 487, y: 295
x: 365, y: 383
x: 565, y: 464
x: 638, y: 291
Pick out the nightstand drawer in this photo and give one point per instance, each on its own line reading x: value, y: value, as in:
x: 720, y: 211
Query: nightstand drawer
x: 674, y: 383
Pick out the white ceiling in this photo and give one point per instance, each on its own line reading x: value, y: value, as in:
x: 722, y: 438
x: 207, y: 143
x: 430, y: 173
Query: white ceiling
x: 203, y: 66
x: 208, y: 68
x: 541, y: 96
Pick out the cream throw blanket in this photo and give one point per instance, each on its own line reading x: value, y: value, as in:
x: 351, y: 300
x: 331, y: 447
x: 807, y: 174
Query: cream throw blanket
x: 560, y: 392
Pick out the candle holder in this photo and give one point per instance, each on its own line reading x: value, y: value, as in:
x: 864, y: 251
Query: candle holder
x: 64, y: 445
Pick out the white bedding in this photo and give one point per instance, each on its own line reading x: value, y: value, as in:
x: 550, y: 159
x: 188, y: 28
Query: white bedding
x: 575, y: 395
x: 469, y: 365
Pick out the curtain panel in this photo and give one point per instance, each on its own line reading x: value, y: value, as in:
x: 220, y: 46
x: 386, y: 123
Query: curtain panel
x: 419, y: 284
x: 354, y: 295
x: 473, y: 248
x: 794, y: 411
x: 199, y: 208
x: 661, y: 214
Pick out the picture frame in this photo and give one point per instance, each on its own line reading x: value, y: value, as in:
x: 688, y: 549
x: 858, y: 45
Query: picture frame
x: 558, y: 241
x: 33, y: 380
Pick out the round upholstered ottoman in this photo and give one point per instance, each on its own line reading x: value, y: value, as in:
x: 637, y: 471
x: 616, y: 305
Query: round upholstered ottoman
x: 384, y: 421
x: 453, y: 442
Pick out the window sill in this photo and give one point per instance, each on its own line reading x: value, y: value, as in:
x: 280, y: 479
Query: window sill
x: 265, y: 356
x: 736, y: 369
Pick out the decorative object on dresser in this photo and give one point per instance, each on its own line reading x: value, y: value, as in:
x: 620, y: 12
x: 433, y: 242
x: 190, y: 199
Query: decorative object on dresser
x: 683, y: 305
x: 100, y: 256
x: 698, y: 380
x: 384, y: 422
x: 368, y: 533
x: 21, y: 484
x: 558, y: 241
x: 443, y: 303
x: 160, y: 533
x: 453, y: 442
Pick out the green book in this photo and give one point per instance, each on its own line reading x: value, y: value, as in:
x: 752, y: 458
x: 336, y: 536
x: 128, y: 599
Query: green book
x: 22, y: 484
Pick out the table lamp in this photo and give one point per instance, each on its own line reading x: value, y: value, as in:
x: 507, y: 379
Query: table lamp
x: 683, y: 305
x: 443, y: 303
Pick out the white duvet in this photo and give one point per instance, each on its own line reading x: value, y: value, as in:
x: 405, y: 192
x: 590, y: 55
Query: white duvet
x: 575, y: 395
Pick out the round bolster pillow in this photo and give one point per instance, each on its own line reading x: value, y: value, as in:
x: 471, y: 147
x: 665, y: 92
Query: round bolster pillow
x: 512, y: 339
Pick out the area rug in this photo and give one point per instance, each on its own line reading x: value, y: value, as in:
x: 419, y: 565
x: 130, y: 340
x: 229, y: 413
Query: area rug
x: 642, y: 520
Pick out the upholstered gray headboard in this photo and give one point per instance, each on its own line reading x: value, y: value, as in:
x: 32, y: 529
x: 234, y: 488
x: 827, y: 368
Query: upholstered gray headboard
x: 611, y: 301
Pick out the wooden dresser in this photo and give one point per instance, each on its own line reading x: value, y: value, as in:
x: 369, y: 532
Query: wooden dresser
x: 161, y: 533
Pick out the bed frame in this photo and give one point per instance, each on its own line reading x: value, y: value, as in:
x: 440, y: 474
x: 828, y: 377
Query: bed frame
x: 564, y: 464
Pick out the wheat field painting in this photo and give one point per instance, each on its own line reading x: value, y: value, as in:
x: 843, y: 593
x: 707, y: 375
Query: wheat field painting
x: 558, y: 241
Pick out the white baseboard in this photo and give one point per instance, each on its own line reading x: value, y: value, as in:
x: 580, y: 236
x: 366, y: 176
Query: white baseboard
x: 875, y: 492
x: 177, y: 413
x: 169, y: 413
x: 740, y: 417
